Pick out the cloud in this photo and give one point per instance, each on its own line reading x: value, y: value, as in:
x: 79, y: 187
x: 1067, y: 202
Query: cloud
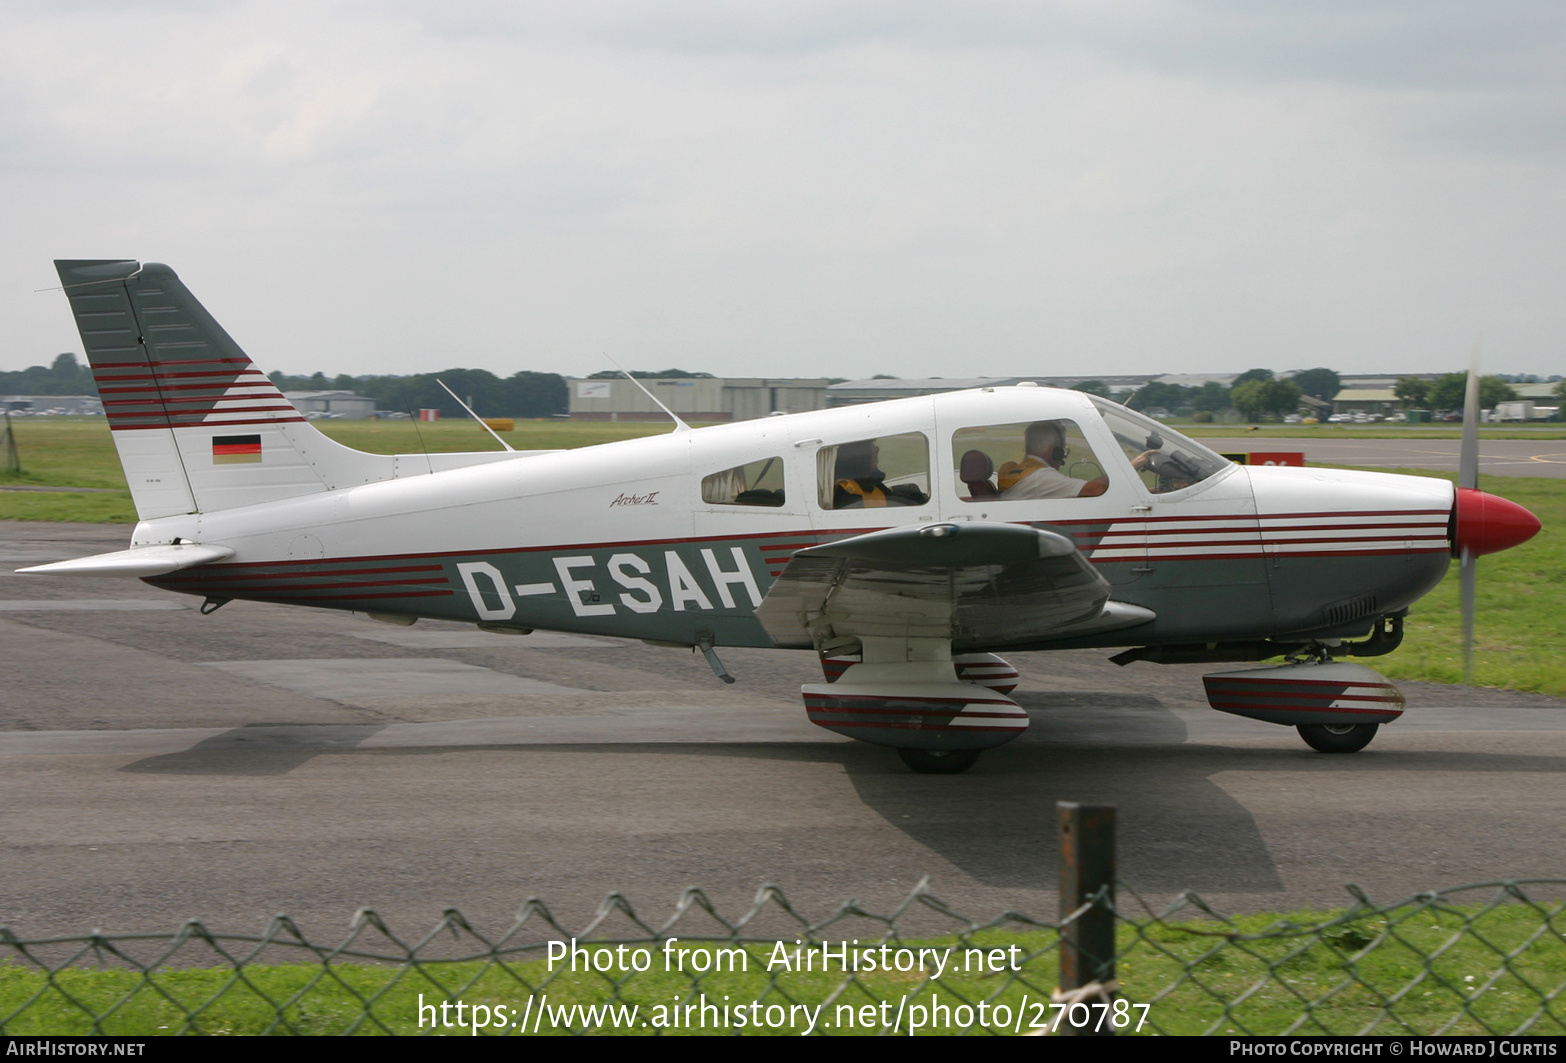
x: 1387, y: 43
x: 841, y: 189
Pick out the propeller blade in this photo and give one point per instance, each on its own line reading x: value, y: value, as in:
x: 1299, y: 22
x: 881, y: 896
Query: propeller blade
x: 1468, y: 476
x: 1468, y: 459
x: 1468, y: 573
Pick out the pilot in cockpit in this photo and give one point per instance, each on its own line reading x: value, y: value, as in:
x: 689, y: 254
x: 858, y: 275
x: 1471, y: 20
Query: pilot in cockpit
x: 1038, y: 475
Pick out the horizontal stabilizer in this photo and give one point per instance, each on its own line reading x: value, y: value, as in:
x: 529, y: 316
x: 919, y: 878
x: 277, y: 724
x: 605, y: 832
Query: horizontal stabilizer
x: 138, y: 561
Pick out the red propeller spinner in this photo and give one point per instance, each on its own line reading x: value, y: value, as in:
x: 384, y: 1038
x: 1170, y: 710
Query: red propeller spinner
x: 1488, y: 523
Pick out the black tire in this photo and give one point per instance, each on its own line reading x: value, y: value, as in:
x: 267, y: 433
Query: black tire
x: 939, y: 761
x: 1338, y: 738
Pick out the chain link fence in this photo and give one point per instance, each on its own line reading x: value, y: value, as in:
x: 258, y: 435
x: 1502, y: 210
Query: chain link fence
x: 1487, y: 958
x: 1480, y: 959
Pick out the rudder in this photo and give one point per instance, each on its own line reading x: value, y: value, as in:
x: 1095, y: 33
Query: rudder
x: 197, y: 426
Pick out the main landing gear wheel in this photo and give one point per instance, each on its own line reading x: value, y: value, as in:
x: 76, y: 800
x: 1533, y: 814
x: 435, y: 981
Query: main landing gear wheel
x: 1338, y: 738
x: 943, y: 761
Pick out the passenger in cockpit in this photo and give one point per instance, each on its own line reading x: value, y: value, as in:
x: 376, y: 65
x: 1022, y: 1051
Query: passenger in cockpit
x: 860, y: 483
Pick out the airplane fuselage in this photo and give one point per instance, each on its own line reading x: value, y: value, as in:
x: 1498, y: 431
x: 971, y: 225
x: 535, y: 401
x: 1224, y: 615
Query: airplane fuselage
x: 620, y: 539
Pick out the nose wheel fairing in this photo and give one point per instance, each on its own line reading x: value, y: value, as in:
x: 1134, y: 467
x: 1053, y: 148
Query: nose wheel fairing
x: 1336, y: 706
x: 1333, y: 693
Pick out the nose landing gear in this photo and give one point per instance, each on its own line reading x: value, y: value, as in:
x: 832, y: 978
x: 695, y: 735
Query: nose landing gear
x: 1336, y: 737
x: 939, y: 761
x: 1337, y: 707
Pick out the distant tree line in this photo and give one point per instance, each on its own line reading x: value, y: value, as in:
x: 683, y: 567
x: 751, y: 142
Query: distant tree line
x: 648, y: 374
x: 1450, y: 391
x: 1256, y: 394
x: 64, y: 376
x: 524, y: 394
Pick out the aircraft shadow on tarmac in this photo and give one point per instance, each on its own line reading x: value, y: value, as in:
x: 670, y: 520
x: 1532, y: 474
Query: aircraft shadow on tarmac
x: 1178, y: 829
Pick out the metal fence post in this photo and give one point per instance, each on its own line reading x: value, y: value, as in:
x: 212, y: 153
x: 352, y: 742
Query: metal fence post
x: 1087, y: 873
x: 13, y: 461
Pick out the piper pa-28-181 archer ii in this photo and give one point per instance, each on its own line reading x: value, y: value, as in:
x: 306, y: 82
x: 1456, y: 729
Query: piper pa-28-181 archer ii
x: 906, y: 542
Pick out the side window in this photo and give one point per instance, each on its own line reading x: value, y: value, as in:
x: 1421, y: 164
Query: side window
x: 870, y: 473
x: 1029, y: 459
x: 758, y: 484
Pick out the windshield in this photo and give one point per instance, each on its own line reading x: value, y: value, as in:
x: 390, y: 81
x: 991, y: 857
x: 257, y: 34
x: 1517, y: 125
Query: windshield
x: 1165, y: 459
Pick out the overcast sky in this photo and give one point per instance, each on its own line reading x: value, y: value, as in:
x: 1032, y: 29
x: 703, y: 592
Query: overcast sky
x: 802, y: 188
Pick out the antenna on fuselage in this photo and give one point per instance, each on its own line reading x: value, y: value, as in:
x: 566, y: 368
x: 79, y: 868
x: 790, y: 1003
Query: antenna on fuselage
x: 473, y: 415
x: 420, y: 433
x: 679, y: 425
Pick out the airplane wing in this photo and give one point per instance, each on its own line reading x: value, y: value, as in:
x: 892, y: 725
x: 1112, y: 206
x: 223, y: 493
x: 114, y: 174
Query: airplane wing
x: 978, y: 584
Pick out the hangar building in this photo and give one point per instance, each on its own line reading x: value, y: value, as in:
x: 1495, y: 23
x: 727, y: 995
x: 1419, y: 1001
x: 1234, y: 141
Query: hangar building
x: 695, y: 398
x: 341, y: 404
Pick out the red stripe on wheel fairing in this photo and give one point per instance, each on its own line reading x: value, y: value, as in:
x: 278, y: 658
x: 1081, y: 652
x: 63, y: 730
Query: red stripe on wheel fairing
x: 1276, y: 680
x: 1229, y: 706
x: 865, y: 710
x: 834, y: 725
x: 883, y: 699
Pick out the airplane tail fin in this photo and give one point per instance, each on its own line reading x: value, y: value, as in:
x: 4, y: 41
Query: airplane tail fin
x: 198, y: 427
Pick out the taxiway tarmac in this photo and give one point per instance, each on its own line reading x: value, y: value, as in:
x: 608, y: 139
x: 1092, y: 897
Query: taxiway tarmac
x: 1497, y: 457
x: 158, y: 765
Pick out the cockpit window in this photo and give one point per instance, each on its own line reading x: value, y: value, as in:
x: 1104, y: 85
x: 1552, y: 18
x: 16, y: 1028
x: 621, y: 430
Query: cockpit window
x: 1026, y: 460
x: 758, y: 484
x: 1166, y: 460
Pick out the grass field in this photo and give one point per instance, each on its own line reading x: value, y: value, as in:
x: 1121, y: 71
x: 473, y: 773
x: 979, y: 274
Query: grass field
x: 1417, y: 969
x: 78, y: 452
x: 1519, y: 594
x: 1368, y: 431
x: 1517, y: 632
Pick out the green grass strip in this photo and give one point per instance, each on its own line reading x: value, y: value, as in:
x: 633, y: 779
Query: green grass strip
x: 1423, y: 968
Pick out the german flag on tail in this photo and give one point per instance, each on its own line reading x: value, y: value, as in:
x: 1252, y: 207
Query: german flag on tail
x: 235, y: 450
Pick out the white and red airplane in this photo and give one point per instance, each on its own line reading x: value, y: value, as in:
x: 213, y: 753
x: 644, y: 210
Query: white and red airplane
x: 905, y: 542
